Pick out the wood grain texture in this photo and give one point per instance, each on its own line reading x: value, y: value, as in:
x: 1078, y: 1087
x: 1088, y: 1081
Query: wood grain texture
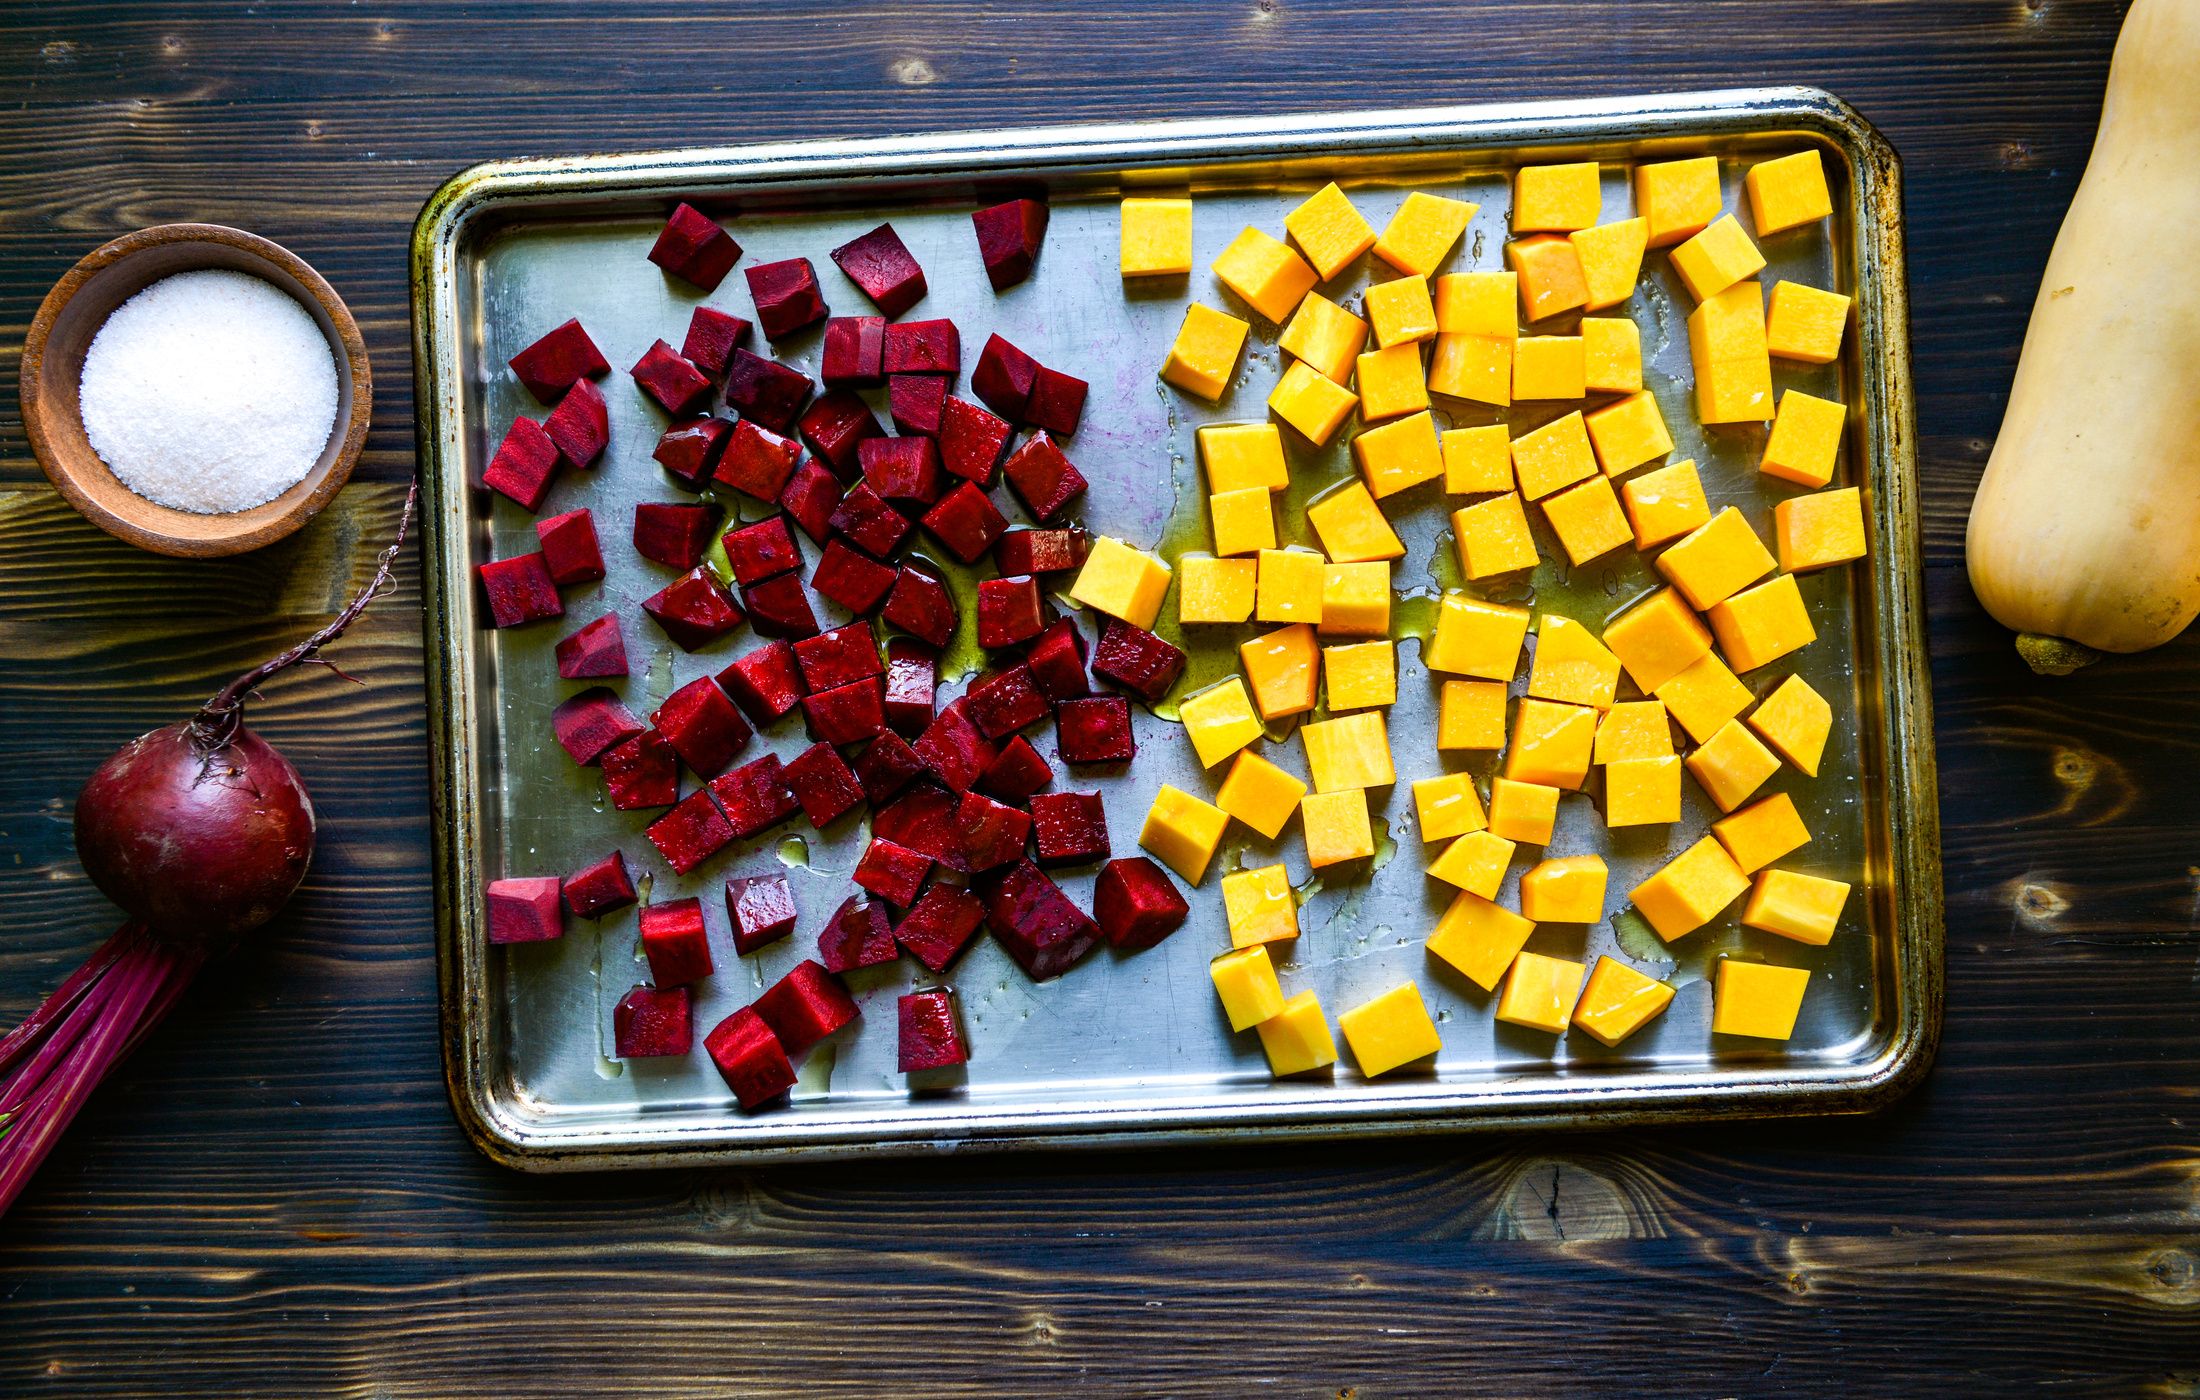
x: 273, y: 1199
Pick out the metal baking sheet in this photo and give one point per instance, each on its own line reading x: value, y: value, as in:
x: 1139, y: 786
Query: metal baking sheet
x: 1132, y: 1049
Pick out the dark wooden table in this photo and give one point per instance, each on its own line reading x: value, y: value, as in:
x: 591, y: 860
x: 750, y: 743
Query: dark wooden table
x: 272, y: 1197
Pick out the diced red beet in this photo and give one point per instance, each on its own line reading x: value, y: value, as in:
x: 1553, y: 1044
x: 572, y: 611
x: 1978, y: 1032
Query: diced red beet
x: 972, y: 440
x: 880, y: 265
x: 786, y: 296
x: 811, y: 497
x: 852, y: 579
x: 865, y: 520
x: 855, y: 351
x: 1041, y: 551
x: 711, y: 338
x: 836, y: 427
x: 779, y: 608
x: 1057, y: 402
x: 824, y: 784
x: 1016, y: 774
x: 886, y: 767
x: 761, y: 910
x: 939, y: 925
x: 562, y: 358
x: 912, y: 681
x: 923, y: 347
x: 674, y: 534
x: 766, y: 683
x: 903, y: 470
x: 695, y: 609
x: 523, y: 465
x: 1003, y: 378
x: 1069, y: 827
x: 525, y: 910
x: 993, y: 833
x: 1008, y: 239
x: 519, y: 590
x: 702, y: 726
x: 931, y: 1032
x: 591, y: 722
x: 858, y: 935
x: 1004, y: 703
x: 921, y: 606
x: 1041, y: 929
x: 966, y: 521
x: 1137, y: 660
x: 761, y: 551
x: 1057, y: 661
x: 678, y: 387
x: 694, y: 248
x: 642, y: 772
x: 805, y: 1006
x: 754, y: 796
x: 847, y: 714
x: 766, y: 392
x: 580, y: 425
x: 1095, y: 729
x: 689, y: 450
x: 923, y: 819
x: 758, y: 462
x: 749, y: 1059
x: 893, y: 873
x: 1010, y: 610
x: 840, y: 657
x: 596, y: 651
x: 915, y: 403
x: 954, y: 749
x: 676, y: 942
x: 1135, y: 904
x: 600, y: 887
x: 569, y: 548
x: 650, y: 1022
x: 1042, y: 478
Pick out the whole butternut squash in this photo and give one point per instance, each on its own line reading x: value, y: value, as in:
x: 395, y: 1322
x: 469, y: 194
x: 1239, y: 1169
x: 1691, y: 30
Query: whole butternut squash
x: 2085, y: 537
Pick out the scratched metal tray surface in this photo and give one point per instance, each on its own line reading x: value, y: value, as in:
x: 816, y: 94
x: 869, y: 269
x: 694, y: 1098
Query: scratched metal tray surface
x: 1129, y: 1049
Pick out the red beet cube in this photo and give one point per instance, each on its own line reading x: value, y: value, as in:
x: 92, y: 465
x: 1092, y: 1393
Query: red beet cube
x: 523, y: 465
x: 886, y: 767
x: 519, y: 590
x: 879, y: 263
x: 847, y: 714
x: 749, y: 1059
x: 676, y: 535
x: 923, y: 819
x: 893, y: 873
x: 678, y: 387
x: 1041, y: 551
x: 1095, y: 729
x: 811, y: 497
x: 1135, y: 904
x: 597, y: 650
x: 1007, y: 702
x: 786, y: 296
x: 1008, y: 239
x: 931, y: 1034
x: 837, y: 426
x: 903, y: 470
x: 1010, y: 610
x: 912, y: 679
x: 858, y: 935
x: 694, y: 248
x: 971, y: 440
x: 954, y: 748
x: 761, y: 551
x: 1069, y: 827
x: 805, y: 1006
x: 923, y: 347
x: 591, y: 722
x: 761, y: 910
x: 595, y: 890
x: 694, y: 610
x: 865, y: 520
x: 993, y: 833
x: 824, y: 784
x: 1041, y: 929
x: 1003, y: 378
x: 652, y: 1021
x: 1057, y: 661
x: 676, y: 942
x: 524, y: 910
x: 691, y: 833
x: 1057, y: 402
x: 754, y: 796
x: 840, y: 657
x: 915, y: 402
x: 855, y: 351
x: 1016, y: 774
x: 690, y: 450
x: 702, y: 726
x: 642, y: 772
x: 855, y: 581
x: 779, y: 608
x: 1042, y: 478
x: 758, y: 462
x: 939, y: 925
x: 766, y: 392
x: 921, y: 606
x: 569, y: 548
x: 1137, y: 660
x: 711, y: 338
x: 766, y: 683
x: 558, y: 361
x: 580, y: 425
x: 966, y: 521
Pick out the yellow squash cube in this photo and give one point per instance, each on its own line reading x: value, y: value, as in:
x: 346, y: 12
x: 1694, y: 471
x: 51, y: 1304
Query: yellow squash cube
x: 1336, y: 827
x: 1243, y: 521
x: 1758, y: 626
x: 1476, y: 367
x: 1551, y: 744
x: 1245, y: 980
x: 1157, y: 237
x: 1559, y: 198
x: 1523, y: 812
x: 1540, y: 992
x: 1634, y: 729
x: 1183, y: 831
x: 1214, y: 590
x: 1717, y: 258
x: 1726, y: 349
x: 1587, y: 520
x: 1474, y: 638
x: 1493, y: 537
x: 1389, y: 1031
x: 1296, y: 1039
x: 1794, y: 721
x: 1475, y: 862
x: 1219, y: 721
x: 1703, y: 697
x: 1422, y: 232
x: 1260, y: 794
x: 1690, y: 891
x: 1678, y: 198
x: 1628, y: 433
x: 1239, y: 456
x: 1618, y: 1001
x: 1757, y: 999
x: 1479, y: 939
x: 1732, y: 764
x: 1565, y: 890
x: 1470, y: 715
x: 1657, y: 639
x: 1401, y: 311
x: 1259, y: 907
x: 1788, y: 193
x: 1448, y: 806
x: 1283, y: 668
x: 1205, y: 354
x: 1805, y: 440
x: 1804, y: 323
x: 1802, y: 907
x: 1310, y: 403
x: 1352, y: 528
x: 1554, y: 455
x: 1356, y: 599
x: 1611, y: 355
x: 1289, y: 588
x: 1549, y: 367
x: 1329, y: 230
x: 1664, y: 504
x: 1326, y: 336
x: 1762, y: 832
x: 1484, y: 304
x: 1399, y: 454
x: 1122, y: 582
x: 1477, y: 461
x: 1391, y: 383
x: 1350, y: 751
x: 1611, y: 260
x: 1642, y: 791
x: 1571, y: 665
x: 1265, y: 274
x: 1716, y: 560
x: 1361, y: 675
x: 1819, y: 530
x: 1550, y: 274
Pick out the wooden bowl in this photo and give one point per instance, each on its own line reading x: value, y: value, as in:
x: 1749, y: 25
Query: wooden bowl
x: 53, y: 366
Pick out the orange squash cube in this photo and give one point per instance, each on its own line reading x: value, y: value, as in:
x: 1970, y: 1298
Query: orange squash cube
x: 1757, y: 999
x: 1325, y: 336
x: 1241, y: 522
x: 1389, y: 1031
x: 1310, y: 403
x: 1479, y: 939
x: 1156, y: 237
x: 1805, y: 324
x: 1475, y: 862
x: 1447, y: 806
x: 1628, y: 433
x: 1806, y: 439
x: 1265, y: 274
x: 1677, y: 198
x: 1565, y: 890
x: 1554, y: 455
x: 1716, y: 560
x: 1618, y: 1001
x: 1634, y: 729
x: 1283, y: 670
x: 1819, y: 530
x: 1476, y: 638
x: 1330, y: 231
x: 1493, y: 537
x: 1664, y: 504
x: 1356, y: 599
x: 1726, y: 348
x: 1611, y: 260
x: 1657, y: 639
x: 1731, y: 764
x: 1571, y: 665
x: 1551, y: 744
x: 1401, y: 311
x: 1350, y: 751
x: 1523, y: 811
x: 1352, y: 528
x: 1360, y: 675
x: 1788, y: 192
x: 1587, y: 520
x: 1473, y: 367
x: 1477, y: 461
x: 1550, y: 274
x: 1214, y: 590
x: 1794, y: 721
x: 1478, y: 303
x: 1690, y: 891
x: 1556, y: 198
x: 1205, y: 354
x: 1758, y: 626
x: 1611, y: 355
x: 1399, y: 454
x: 1336, y: 827
x: 1540, y: 992
x: 1549, y: 367
x: 1236, y: 456
x: 1703, y: 696
x: 1762, y: 832
x: 1470, y: 715
x: 1391, y: 383
x: 1423, y: 230
x: 1802, y: 907
x: 1642, y: 791
x: 1288, y: 586
x: 1259, y: 794
x: 1717, y: 258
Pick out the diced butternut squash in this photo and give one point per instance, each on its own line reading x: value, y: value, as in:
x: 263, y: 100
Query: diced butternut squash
x: 1352, y: 528
x: 1657, y: 639
x: 1493, y: 537
x: 1243, y: 521
x: 1540, y: 992
x: 1788, y: 193
x: 1551, y: 743
x: 1550, y: 276
x: 1265, y: 274
x: 1350, y: 751
x: 1642, y: 791
x: 1157, y: 237
x: 1716, y: 560
x: 1259, y: 907
x: 1245, y: 980
x: 1703, y: 696
x: 1475, y: 367
x: 1205, y: 354
x: 1677, y: 198
x: 1296, y: 1039
x: 1326, y: 336
x: 1122, y: 582
x: 1762, y: 832
x: 1726, y: 349
x: 1805, y: 440
x: 1470, y: 715
x: 1819, y: 530
x: 1183, y: 831
x: 1556, y: 198
x: 1391, y: 1030
x: 1634, y: 729
x: 1611, y: 355
x: 1391, y: 383
x: 1522, y: 811
x: 1758, y: 626
x: 1757, y: 999
x: 1717, y: 258
x: 1665, y: 504
x: 1554, y: 455
x: 1802, y: 907
x: 1618, y: 1001
x: 1401, y: 311
x: 1732, y: 764
x: 1611, y: 260
x: 1361, y: 675
x: 1260, y: 794
x: 1805, y: 323
x: 1219, y: 721
x: 1236, y: 456
x: 1549, y: 367
x: 1423, y: 230
x: 1336, y: 827
x: 1479, y: 939
x: 1628, y: 433
x: 1794, y: 721
x: 1283, y: 669
x: 1289, y: 588
x: 1477, y: 461
x: 1214, y: 590
x: 1484, y: 304
x: 1399, y: 454
x: 1308, y: 402
x: 1565, y: 890
x: 1329, y: 230
x: 1356, y: 599
x: 1475, y: 638
x: 1690, y: 890
x: 1571, y: 665
x: 1474, y: 862
x: 1587, y: 520
x: 1448, y: 806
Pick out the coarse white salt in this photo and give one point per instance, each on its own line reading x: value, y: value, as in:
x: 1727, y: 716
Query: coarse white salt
x: 209, y: 391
